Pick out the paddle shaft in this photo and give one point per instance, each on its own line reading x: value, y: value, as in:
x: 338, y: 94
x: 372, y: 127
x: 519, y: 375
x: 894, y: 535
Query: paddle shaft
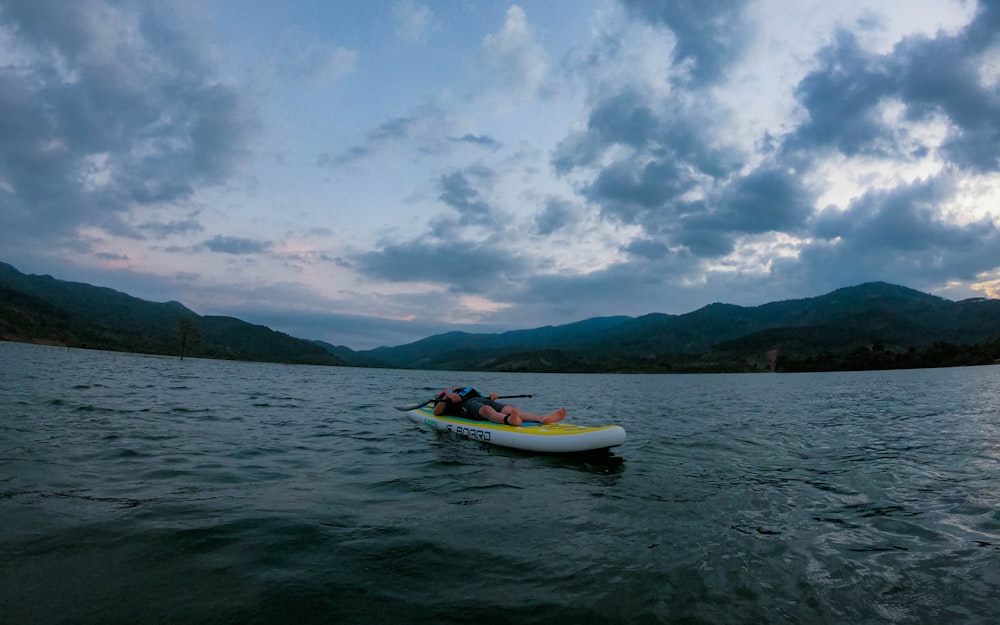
x: 440, y: 399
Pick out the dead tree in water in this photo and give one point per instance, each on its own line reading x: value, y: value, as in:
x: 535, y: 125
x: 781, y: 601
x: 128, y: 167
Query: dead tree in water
x: 189, y: 334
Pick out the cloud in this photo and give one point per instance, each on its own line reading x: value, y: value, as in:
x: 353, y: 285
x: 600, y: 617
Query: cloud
x: 710, y: 34
x: 764, y: 200
x: 389, y: 132
x: 424, y: 132
x: 412, y: 21
x: 664, y: 160
x: 162, y: 230
x: 935, y: 80
x: 236, y: 245
x: 104, y: 107
x: 902, y: 229
x: 300, y: 56
x: 666, y: 153
x: 484, y: 141
x: 648, y: 249
x: 660, y: 275
x: 513, y: 60
x: 629, y: 189
x: 458, y: 193
x: 463, y: 266
x: 556, y: 215
x: 662, y: 167
x: 358, y: 332
x: 841, y: 99
x: 622, y: 118
x: 331, y: 64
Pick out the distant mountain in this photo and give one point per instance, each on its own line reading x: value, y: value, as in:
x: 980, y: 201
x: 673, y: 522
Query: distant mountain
x: 348, y: 356
x: 455, y: 350
x: 869, y: 326
x: 874, y: 325
x: 46, y: 310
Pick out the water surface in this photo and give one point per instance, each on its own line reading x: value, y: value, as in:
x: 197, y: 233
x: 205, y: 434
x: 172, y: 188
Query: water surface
x: 137, y: 489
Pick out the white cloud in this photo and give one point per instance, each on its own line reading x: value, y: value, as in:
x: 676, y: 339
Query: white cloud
x: 988, y: 284
x: 512, y: 61
x: 301, y: 56
x: 412, y: 21
x: 989, y: 67
x: 627, y: 53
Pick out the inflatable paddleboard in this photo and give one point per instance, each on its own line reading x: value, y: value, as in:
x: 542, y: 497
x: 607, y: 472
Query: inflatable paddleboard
x: 551, y: 438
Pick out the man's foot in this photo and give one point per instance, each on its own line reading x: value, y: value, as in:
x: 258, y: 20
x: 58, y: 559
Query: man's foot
x: 513, y: 420
x: 513, y: 417
x: 557, y: 415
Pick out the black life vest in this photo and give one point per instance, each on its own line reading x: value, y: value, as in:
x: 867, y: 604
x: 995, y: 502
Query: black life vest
x: 465, y: 393
x: 456, y: 410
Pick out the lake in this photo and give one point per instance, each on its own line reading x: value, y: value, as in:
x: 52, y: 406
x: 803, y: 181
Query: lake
x: 142, y: 489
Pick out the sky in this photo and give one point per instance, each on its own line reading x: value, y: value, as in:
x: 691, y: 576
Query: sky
x: 373, y: 173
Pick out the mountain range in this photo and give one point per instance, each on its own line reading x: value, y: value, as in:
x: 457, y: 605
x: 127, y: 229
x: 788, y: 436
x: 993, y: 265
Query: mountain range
x: 42, y: 309
x: 872, y: 325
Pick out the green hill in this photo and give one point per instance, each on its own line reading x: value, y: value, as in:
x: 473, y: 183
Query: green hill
x: 46, y: 310
x: 874, y: 325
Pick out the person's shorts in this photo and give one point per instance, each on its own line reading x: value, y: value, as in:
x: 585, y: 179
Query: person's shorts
x: 470, y: 407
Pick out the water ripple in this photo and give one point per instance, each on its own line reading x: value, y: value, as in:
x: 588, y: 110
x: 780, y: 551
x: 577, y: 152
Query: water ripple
x: 146, y: 489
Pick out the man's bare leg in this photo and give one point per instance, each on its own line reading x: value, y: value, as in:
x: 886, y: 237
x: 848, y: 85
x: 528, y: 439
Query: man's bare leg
x: 509, y: 412
x: 552, y: 417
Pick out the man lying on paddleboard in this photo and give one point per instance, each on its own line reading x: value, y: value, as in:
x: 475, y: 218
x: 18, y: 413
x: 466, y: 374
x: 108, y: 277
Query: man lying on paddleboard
x: 465, y: 401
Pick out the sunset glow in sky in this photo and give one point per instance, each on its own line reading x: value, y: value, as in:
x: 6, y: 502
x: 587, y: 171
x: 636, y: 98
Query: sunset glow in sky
x: 371, y: 173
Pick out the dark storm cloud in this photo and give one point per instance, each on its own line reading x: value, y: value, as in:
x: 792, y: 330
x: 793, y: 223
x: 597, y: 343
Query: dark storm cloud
x: 765, y: 200
x: 897, y: 235
x: 628, y: 189
x: 483, y: 141
x: 841, y: 99
x: 457, y: 192
x: 447, y: 255
x: 427, y: 130
x: 465, y: 266
x: 648, y: 248
x: 236, y: 245
x: 901, y: 234
x: 389, y: 132
x: 624, y: 118
x: 669, y: 155
x: 678, y: 178
x: 161, y: 230
x: 556, y: 215
x: 662, y: 165
x: 595, y: 290
x: 705, y: 241
x: 710, y: 33
x: 106, y: 105
x: 653, y: 270
x: 630, y: 119
x: 903, y: 219
x: 937, y: 76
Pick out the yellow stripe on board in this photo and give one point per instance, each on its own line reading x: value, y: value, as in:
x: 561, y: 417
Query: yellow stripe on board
x: 552, y: 429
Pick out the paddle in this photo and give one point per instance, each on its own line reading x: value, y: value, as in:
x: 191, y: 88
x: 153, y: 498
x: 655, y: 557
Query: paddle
x: 436, y: 399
